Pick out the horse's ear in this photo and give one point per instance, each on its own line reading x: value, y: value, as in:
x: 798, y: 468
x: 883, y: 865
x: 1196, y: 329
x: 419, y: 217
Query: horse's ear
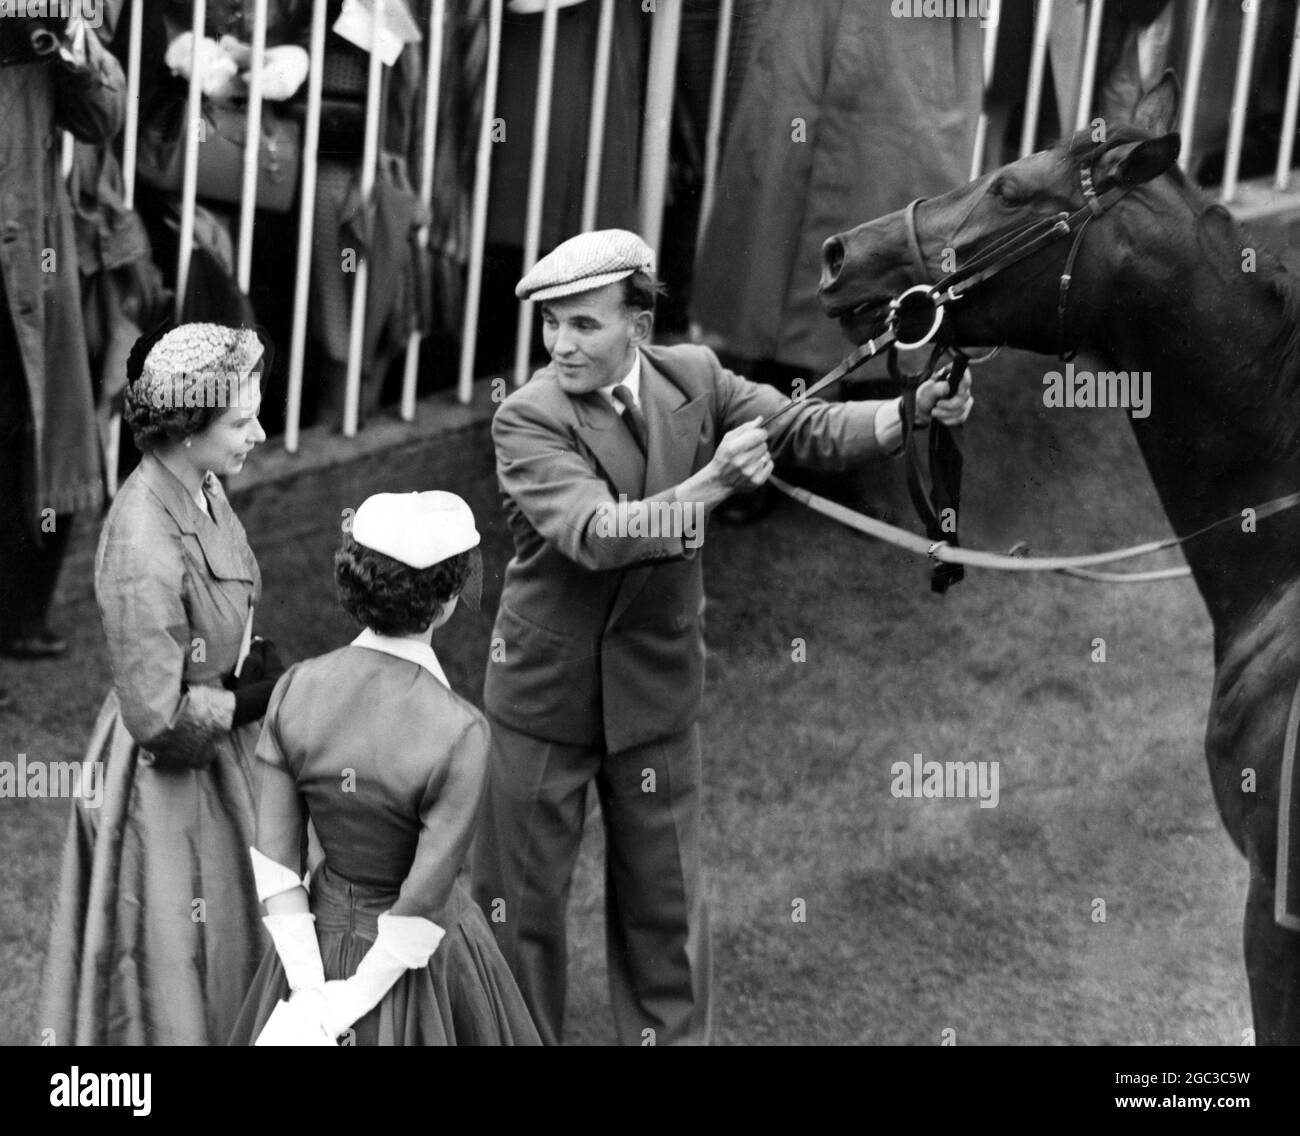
x: 1139, y: 162
x: 1158, y: 110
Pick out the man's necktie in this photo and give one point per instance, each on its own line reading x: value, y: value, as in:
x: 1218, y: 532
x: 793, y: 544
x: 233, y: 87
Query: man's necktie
x: 632, y: 415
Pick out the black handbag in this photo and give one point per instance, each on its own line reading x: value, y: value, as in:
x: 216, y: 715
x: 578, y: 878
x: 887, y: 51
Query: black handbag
x: 161, y: 158
x: 342, y: 124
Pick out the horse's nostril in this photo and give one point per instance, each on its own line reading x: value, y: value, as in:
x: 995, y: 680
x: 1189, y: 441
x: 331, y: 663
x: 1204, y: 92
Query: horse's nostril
x: 832, y: 260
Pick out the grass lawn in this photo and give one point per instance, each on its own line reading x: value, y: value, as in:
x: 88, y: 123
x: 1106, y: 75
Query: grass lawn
x: 920, y: 915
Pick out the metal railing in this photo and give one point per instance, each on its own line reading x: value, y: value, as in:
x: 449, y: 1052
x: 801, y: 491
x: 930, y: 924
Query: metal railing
x: 654, y: 155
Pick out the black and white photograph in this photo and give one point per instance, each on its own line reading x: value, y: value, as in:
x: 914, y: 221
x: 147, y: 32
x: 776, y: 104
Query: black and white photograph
x: 750, y: 523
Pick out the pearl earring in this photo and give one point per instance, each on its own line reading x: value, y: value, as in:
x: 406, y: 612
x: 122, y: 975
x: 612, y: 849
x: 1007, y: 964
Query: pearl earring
x: 189, y: 442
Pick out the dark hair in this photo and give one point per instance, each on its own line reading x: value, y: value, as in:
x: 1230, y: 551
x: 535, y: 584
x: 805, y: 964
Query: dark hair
x: 641, y: 290
x: 390, y: 597
x: 151, y: 425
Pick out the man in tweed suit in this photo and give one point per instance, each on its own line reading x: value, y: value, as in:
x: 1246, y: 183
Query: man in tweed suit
x: 609, y: 460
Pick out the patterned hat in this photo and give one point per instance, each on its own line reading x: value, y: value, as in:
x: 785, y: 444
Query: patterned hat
x: 204, y: 347
x: 532, y: 7
x: 189, y: 357
x: 584, y: 262
x: 419, y: 529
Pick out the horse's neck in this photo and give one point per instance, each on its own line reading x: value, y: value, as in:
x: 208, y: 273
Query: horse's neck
x: 1243, y: 563
x: 1215, y: 405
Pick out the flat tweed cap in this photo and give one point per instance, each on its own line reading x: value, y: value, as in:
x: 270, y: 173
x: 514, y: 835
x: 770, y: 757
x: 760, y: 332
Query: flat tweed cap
x: 584, y: 262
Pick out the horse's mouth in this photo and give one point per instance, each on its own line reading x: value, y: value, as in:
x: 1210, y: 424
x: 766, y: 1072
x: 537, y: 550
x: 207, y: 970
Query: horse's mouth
x: 864, y: 321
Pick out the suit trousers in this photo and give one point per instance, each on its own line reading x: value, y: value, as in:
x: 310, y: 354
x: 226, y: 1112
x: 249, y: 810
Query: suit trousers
x: 656, y: 919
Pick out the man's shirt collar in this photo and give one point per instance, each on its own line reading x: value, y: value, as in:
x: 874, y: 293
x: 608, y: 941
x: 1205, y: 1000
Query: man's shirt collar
x: 632, y: 380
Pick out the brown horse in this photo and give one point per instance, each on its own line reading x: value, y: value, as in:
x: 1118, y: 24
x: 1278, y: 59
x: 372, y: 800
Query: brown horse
x: 1165, y: 283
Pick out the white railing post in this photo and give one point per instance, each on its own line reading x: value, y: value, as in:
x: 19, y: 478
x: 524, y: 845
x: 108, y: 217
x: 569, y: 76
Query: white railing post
x: 252, y: 148
x: 1191, y: 92
x: 190, y: 180
x: 478, y: 224
x: 131, y: 127
x: 130, y: 144
x: 596, y: 126
x: 361, y: 285
x: 306, y: 224
x: 1087, y: 80
x: 1286, y: 144
x: 990, y: 59
x: 1240, y: 99
x: 1037, y: 63
x: 429, y: 143
x: 658, y: 119
x: 717, y: 99
x: 536, y: 181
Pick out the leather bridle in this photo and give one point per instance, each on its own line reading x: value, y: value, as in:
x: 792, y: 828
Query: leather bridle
x: 925, y: 304
x: 1011, y: 249
x: 981, y: 268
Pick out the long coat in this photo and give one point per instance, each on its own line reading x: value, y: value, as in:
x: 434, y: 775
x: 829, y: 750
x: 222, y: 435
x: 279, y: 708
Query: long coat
x: 135, y: 958
x: 566, y: 164
x: 846, y: 113
x: 599, y: 639
x: 38, y: 252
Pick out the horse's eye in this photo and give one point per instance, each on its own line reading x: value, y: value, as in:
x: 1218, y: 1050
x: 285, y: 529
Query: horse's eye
x: 1007, y: 192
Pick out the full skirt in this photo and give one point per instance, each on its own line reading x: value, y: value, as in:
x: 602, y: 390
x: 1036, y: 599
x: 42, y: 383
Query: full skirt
x: 465, y: 996
x: 156, y: 932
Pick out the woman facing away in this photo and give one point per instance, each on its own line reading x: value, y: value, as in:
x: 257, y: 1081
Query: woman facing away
x: 385, y: 947
x: 155, y: 934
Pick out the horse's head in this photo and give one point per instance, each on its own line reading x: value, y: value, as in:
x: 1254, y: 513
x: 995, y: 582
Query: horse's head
x: 866, y: 267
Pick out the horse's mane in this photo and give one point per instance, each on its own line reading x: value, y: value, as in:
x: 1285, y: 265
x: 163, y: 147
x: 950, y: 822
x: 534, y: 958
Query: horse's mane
x: 1286, y: 344
x: 1272, y: 369
x: 1273, y: 283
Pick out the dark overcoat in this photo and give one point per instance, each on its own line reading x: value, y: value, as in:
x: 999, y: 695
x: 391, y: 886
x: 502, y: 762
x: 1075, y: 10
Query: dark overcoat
x: 38, y: 262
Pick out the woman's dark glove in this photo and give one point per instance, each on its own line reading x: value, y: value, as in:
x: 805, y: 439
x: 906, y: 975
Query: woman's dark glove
x: 251, y: 701
x: 262, y: 662
x: 257, y: 678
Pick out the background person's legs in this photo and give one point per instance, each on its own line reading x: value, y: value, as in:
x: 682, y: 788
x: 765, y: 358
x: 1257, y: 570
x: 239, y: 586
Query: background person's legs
x: 29, y: 561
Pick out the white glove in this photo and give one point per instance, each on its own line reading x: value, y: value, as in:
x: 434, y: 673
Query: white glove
x: 295, y: 1022
x: 239, y: 51
x: 217, y: 67
x: 404, y: 942
x: 283, y: 71
x: 295, y: 942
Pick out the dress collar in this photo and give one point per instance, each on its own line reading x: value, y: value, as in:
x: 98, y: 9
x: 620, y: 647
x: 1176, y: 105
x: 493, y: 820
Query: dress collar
x: 186, y: 509
x: 419, y: 653
x: 632, y: 380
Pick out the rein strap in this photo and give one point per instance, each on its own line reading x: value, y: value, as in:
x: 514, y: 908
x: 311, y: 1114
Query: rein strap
x: 946, y: 553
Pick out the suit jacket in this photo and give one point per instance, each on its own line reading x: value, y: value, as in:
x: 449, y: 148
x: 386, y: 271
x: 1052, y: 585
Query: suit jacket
x: 599, y: 639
